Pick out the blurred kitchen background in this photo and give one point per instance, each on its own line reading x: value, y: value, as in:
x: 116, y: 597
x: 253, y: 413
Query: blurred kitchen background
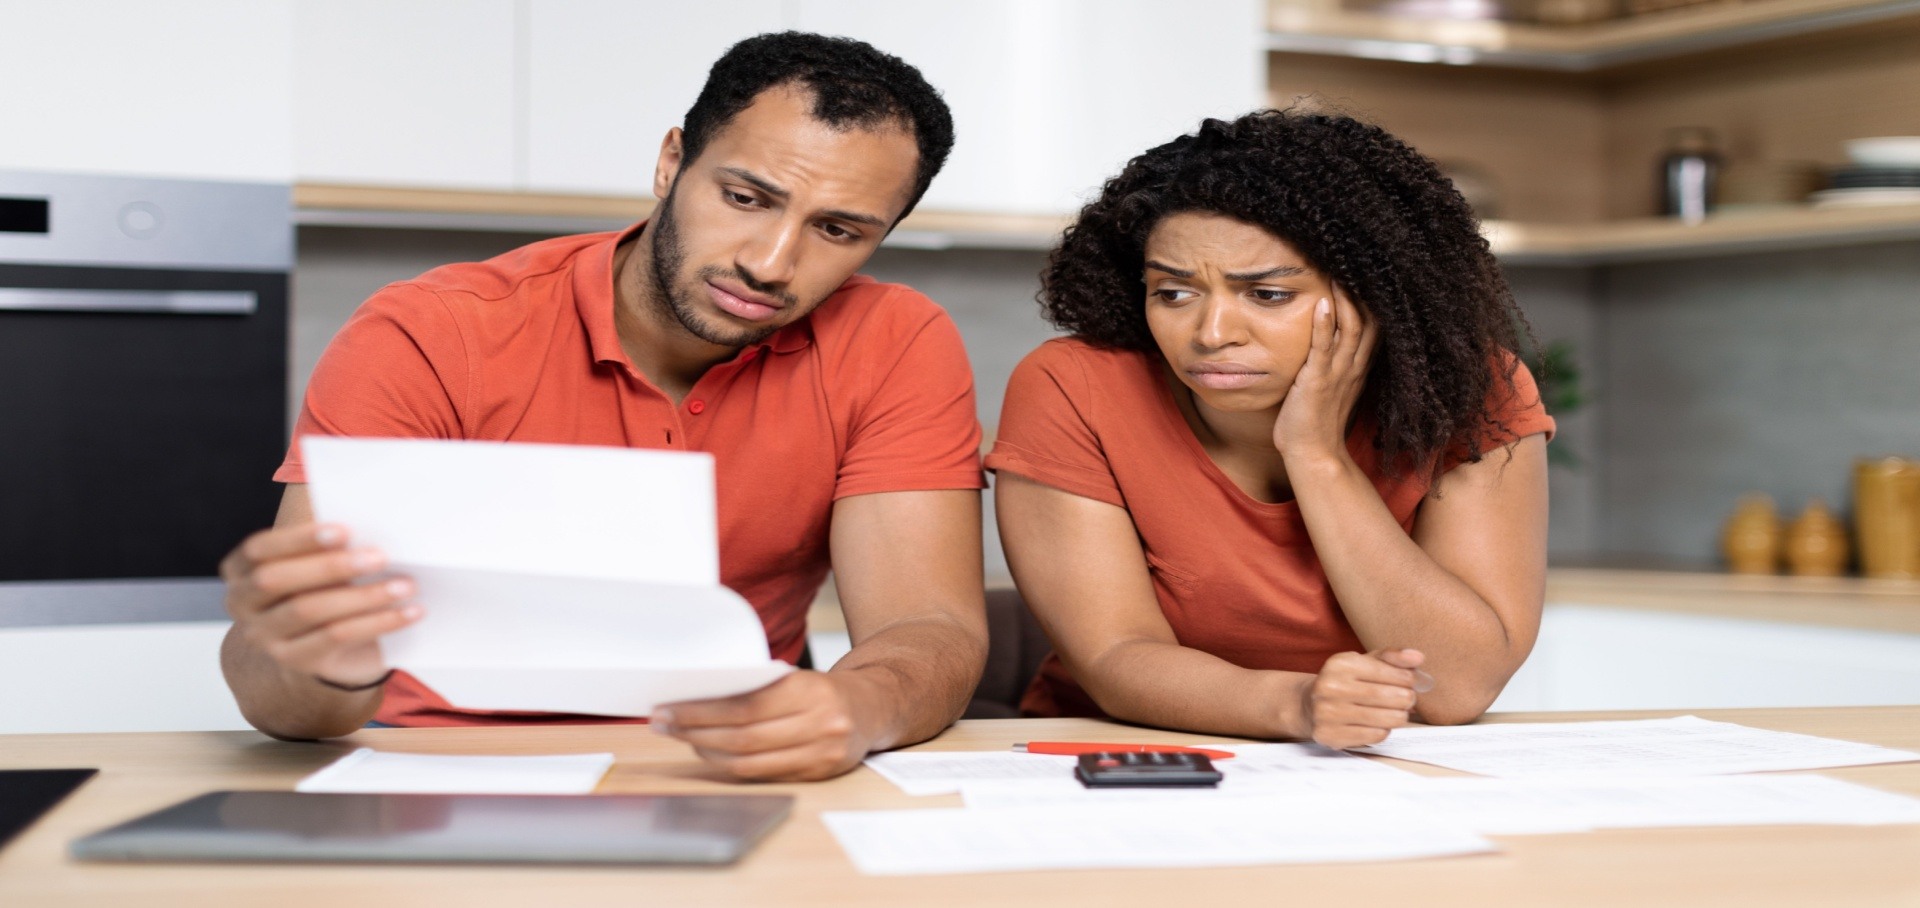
x: 1727, y: 291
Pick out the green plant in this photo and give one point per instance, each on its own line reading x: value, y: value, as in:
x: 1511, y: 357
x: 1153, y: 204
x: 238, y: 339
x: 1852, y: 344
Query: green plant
x: 1558, y: 374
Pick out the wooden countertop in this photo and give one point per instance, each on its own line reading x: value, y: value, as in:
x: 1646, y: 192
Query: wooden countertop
x: 801, y: 864
x: 1851, y: 602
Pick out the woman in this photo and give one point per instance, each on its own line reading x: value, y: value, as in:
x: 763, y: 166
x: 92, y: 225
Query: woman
x: 1287, y: 473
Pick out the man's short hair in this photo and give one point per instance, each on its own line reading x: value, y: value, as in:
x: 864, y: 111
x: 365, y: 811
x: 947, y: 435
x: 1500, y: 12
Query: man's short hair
x: 854, y: 86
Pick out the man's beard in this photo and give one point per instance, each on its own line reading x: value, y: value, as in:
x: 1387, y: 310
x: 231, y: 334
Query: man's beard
x: 667, y: 260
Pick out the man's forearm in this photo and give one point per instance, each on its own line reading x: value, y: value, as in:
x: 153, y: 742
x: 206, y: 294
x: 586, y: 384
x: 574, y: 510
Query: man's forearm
x: 289, y: 707
x: 912, y: 679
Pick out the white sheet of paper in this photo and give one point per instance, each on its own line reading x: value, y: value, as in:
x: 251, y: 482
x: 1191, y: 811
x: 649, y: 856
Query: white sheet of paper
x: 943, y: 772
x: 1139, y: 834
x: 1527, y: 806
x: 947, y: 772
x: 555, y: 578
x: 1516, y: 806
x: 370, y: 771
x: 1684, y: 746
x: 1288, y: 762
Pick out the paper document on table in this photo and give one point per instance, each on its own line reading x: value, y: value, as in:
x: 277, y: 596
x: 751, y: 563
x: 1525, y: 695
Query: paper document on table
x: 1290, y: 762
x: 1516, y: 806
x: 943, y: 772
x: 1140, y: 834
x: 947, y: 772
x: 1523, y: 806
x: 367, y: 771
x: 1684, y: 746
x: 555, y: 578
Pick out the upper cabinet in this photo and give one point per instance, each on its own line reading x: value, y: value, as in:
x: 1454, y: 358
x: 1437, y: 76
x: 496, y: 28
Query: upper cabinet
x: 197, y: 90
x: 606, y: 79
x: 1050, y: 98
x: 419, y: 93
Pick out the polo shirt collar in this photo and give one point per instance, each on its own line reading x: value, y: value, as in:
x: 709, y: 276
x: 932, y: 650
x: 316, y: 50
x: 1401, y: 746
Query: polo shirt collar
x: 594, y: 299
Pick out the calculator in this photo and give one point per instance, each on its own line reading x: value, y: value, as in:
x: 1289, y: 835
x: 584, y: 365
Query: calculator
x: 1132, y: 769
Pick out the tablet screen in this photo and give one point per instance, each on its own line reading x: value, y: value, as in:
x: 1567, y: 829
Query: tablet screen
x: 576, y: 829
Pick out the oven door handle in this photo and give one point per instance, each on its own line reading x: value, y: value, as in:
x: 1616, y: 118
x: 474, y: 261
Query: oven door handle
x: 172, y: 302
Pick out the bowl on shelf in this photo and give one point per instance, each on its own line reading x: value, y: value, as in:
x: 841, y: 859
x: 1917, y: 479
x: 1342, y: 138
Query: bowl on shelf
x: 1865, y: 197
x: 1885, y: 151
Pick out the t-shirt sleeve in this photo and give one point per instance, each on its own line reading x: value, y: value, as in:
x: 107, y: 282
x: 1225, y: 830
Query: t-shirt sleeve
x: 1516, y: 411
x: 398, y: 369
x: 919, y: 430
x: 1046, y: 428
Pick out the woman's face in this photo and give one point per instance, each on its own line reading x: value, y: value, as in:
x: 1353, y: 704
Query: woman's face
x: 1231, y: 307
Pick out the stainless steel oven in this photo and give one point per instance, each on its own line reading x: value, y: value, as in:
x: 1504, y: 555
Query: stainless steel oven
x: 143, y: 385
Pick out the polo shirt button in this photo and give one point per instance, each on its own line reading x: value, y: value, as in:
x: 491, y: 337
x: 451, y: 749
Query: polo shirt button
x: 696, y: 407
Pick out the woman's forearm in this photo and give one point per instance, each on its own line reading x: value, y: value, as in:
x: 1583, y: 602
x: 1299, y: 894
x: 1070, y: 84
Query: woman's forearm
x: 1396, y: 595
x: 1173, y: 686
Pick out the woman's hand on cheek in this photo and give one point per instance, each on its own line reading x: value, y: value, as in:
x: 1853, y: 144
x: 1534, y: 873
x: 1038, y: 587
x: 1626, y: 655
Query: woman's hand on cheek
x: 1314, y: 414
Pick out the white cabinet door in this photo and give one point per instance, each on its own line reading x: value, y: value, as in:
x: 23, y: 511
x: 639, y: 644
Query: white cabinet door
x: 1593, y: 657
x: 115, y: 677
x: 413, y: 93
x: 1050, y: 97
x: 606, y: 79
x: 199, y: 89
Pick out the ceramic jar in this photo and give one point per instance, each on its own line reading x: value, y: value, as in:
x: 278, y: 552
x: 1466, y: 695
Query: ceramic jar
x: 1886, y: 512
x: 1816, y: 543
x: 1752, y: 538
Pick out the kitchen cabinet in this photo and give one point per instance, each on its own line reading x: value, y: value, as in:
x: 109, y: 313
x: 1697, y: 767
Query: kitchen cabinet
x: 606, y: 79
x: 421, y: 93
x: 1623, y: 639
x: 196, y: 89
x: 162, y: 676
x: 1049, y: 99
x: 1601, y: 657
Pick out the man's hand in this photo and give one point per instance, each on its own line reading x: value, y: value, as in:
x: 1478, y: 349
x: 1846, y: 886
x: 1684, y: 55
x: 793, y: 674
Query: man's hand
x: 293, y: 595
x: 1357, y: 699
x: 801, y: 728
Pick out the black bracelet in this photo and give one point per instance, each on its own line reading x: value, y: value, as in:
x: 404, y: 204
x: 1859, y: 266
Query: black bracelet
x: 353, y: 689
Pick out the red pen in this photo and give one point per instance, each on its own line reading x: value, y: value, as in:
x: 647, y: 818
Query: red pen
x: 1076, y: 748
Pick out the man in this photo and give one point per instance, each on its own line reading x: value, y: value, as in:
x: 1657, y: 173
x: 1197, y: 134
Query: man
x: 839, y: 411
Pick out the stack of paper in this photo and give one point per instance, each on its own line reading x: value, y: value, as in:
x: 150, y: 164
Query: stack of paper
x: 555, y: 578
x: 368, y: 771
x: 1280, y: 803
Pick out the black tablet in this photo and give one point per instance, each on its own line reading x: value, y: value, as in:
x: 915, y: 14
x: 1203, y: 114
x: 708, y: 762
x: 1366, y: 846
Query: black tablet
x: 435, y: 828
x: 25, y: 794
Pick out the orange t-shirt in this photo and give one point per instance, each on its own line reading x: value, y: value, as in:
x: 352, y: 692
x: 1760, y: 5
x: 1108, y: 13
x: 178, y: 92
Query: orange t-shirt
x: 870, y: 392
x: 1247, y: 586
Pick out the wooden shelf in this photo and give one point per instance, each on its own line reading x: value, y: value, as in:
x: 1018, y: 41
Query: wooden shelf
x: 1655, y: 239
x: 1851, y: 602
x: 1302, y: 28
x: 1516, y: 243
x: 325, y: 204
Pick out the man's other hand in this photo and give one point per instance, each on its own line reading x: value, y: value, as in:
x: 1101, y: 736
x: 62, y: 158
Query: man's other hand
x: 801, y: 728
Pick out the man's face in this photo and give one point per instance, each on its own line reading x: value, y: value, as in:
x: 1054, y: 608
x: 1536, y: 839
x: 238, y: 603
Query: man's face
x: 776, y: 213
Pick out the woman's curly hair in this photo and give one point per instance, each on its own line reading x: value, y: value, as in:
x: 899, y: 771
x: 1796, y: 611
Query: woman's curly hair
x: 1364, y: 208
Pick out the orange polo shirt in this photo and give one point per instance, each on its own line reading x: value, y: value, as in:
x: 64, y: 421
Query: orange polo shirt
x: 870, y: 392
x: 1235, y: 577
